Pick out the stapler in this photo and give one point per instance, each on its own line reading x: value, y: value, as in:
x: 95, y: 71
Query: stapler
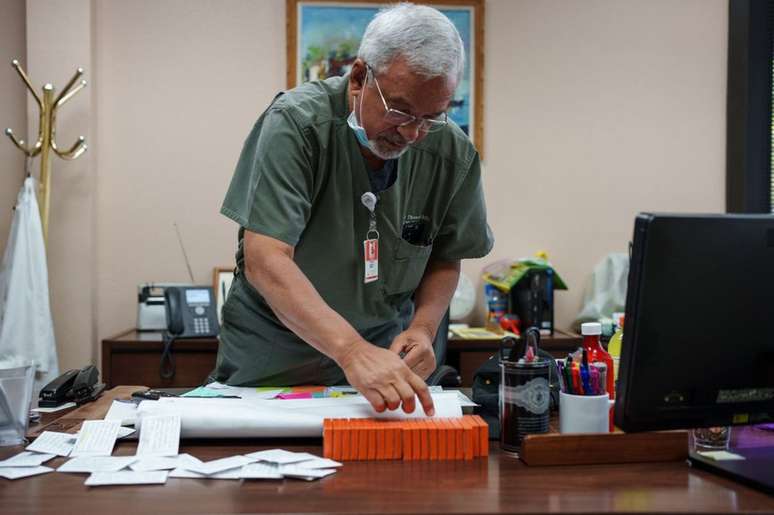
x: 78, y: 386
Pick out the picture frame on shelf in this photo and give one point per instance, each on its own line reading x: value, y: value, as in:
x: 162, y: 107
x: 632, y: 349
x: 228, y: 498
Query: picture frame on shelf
x: 221, y: 284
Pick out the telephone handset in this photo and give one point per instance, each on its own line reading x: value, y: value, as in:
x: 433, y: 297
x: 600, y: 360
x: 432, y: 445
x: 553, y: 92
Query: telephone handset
x: 190, y: 313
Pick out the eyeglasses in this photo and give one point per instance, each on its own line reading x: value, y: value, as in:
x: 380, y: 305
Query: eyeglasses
x: 402, y: 119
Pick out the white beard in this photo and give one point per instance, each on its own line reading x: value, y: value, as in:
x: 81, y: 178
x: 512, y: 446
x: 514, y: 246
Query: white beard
x: 382, y: 152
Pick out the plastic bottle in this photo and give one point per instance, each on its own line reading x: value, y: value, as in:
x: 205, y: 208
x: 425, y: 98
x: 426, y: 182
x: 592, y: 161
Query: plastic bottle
x: 497, y: 305
x: 614, y: 346
x: 596, y: 354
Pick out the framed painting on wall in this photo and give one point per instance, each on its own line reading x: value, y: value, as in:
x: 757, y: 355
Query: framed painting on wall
x: 323, y: 38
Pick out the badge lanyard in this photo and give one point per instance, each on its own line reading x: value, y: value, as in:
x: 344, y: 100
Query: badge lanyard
x: 371, y: 243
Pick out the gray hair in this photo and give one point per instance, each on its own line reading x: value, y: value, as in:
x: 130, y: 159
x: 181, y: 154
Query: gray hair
x: 423, y: 36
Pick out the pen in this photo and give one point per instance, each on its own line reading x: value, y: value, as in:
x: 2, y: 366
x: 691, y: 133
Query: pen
x: 603, y: 378
x: 594, y: 370
x: 560, y: 369
x: 568, y: 374
x: 584, y: 373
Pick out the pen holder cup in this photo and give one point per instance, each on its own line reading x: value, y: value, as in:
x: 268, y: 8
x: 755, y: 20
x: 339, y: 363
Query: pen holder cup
x: 15, y: 396
x: 584, y: 413
x: 524, y: 401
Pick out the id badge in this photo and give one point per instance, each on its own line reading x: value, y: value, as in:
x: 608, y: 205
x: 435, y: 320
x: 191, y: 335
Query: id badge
x: 371, y: 255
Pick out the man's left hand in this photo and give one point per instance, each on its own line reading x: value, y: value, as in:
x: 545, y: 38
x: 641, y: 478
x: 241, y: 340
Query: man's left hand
x: 416, y: 345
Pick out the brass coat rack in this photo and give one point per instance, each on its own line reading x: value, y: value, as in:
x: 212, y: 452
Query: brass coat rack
x: 48, y: 107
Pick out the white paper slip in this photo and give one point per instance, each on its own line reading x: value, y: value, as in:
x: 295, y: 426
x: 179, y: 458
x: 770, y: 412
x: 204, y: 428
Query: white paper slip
x: 281, y: 456
x: 234, y: 473
x: 124, y: 412
x: 261, y: 471
x: 465, y: 401
x: 213, y: 467
x: 55, y: 408
x: 164, y: 463
x: 319, y: 463
x: 301, y: 473
x: 50, y: 442
x: 127, y: 477
x: 97, y: 438
x: 721, y: 455
x: 123, y: 432
x: 17, y: 472
x: 159, y: 436
x: 26, y: 459
x: 97, y: 464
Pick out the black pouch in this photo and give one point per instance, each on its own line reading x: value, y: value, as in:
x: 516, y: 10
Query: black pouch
x: 486, y: 387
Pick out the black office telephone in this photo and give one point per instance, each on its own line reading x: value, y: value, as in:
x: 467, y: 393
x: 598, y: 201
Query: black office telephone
x: 190, y: 313
x: 78, y: 386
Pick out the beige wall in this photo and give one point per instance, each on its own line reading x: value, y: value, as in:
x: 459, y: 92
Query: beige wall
x: 13, y: 112
x: 594, y: 110
x: 59, y: 41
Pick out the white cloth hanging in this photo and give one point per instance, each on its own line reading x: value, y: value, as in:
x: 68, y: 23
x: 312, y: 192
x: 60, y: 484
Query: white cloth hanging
x: 26, y: 326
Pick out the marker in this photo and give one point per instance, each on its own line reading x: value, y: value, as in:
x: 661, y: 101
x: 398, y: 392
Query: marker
x: 576, y: 381
x: 584, y: 373
x: 594, y: 370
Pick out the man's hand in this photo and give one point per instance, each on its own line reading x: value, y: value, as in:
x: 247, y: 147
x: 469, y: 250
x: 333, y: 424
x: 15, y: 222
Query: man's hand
x: 416, y: 345
x: 384, y: 379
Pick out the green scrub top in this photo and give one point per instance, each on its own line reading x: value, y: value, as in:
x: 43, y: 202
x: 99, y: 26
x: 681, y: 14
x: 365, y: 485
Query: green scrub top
x: 300, y: 179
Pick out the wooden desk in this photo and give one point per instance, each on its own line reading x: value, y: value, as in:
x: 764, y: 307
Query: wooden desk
x: 133, y: 357
x: 500, y: 484
x: 467, y: 355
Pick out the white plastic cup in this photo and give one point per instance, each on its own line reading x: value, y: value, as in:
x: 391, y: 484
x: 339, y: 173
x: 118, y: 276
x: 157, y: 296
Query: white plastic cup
x: 16, y: 386
x: 584, y: 413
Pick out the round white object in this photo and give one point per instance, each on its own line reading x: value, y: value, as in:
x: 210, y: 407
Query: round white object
x: 464, y: 299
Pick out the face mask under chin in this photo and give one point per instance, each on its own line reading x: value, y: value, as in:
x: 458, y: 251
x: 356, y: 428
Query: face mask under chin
x: 373, y: 146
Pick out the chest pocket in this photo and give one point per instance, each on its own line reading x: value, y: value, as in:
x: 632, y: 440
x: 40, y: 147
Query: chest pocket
x: 407, y: 267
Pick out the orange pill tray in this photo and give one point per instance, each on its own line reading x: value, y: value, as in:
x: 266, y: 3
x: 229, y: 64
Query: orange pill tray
x: 358, y: 439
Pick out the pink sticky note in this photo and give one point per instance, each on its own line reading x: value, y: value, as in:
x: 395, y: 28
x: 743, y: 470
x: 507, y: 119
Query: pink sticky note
x: 297, y: 395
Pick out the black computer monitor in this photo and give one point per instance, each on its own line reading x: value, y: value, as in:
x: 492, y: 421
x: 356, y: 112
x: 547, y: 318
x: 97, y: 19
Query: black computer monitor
x: 698, y: 345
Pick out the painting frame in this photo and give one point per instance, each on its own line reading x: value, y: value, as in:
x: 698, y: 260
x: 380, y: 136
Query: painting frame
x: 222, y: 276
x: 293, y: 9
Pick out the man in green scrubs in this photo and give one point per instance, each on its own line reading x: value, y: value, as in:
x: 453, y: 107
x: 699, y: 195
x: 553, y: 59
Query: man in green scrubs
x: 356, y: 200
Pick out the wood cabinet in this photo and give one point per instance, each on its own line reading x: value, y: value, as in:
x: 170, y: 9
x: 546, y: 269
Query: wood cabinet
x: 467, y: 355
x: 134, y: 357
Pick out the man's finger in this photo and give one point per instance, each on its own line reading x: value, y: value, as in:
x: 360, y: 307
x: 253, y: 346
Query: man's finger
x: 413, y: 357
x: 422, y: 362
x: 397, y: 345
x: 425, y: 399
x: 376, y: 400
x: 391, y: 397
x: 406, y: 396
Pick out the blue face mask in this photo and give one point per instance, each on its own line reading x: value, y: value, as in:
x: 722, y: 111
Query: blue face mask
x: 358, y: 129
